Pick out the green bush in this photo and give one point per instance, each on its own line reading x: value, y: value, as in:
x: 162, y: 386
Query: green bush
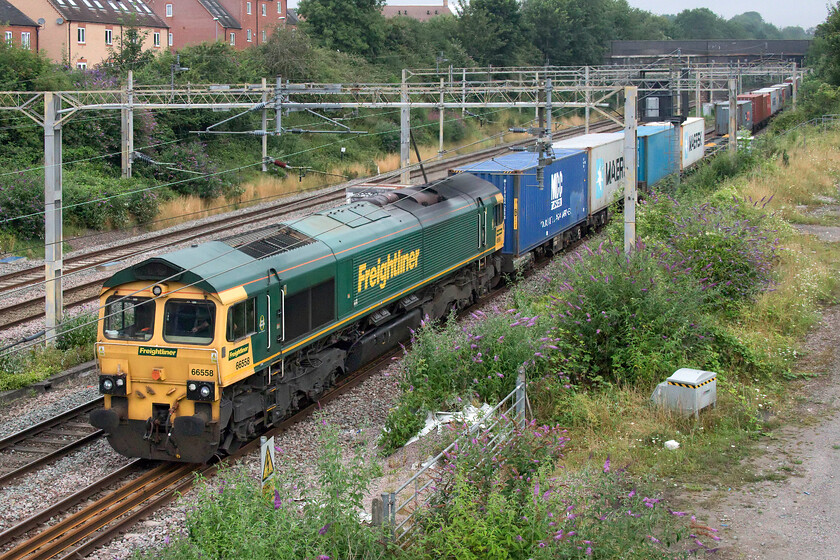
x: 22, y: 204
x: 76, y: 332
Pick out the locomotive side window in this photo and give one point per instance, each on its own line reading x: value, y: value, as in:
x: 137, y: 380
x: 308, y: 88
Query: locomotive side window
x: 498, y: 213
x: 129, y: 318
x: 187, y: 321
x: 241, y: 320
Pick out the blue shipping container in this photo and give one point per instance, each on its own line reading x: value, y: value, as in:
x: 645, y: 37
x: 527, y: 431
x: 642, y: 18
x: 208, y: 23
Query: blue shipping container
x: 533, y: 215
x: 657, y: 153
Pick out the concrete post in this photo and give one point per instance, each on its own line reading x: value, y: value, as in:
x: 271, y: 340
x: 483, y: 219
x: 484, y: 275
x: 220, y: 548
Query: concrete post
x: 587, y: 97
x: 53, y: 223
x: 698, y: 103
x: 630, y: 94
x: 405, y: 128
x: 376, y: 512
x: 127, y: 126
x: 795, y: 85
x: 265, y: 126
x: 441, y: 112
x: 733, y: 116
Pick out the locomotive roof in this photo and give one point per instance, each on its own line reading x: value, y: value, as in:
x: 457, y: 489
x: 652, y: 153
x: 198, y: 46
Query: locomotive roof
x: 299, y: 245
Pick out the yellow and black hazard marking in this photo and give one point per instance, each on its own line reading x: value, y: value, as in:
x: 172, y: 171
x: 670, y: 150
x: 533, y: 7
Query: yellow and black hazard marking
x: 690, y: 386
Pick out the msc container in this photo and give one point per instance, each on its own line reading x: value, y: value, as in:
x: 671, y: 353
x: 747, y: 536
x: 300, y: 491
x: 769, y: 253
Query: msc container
x: 693, y: 141
x: 760, y: 107
x: 743, y: 117
x: 606, y: 166
x: 533, y: 215
x: 657, y: 153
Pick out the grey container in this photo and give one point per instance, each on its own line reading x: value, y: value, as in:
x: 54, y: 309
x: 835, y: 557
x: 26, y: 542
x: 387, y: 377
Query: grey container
x: 687, y: 391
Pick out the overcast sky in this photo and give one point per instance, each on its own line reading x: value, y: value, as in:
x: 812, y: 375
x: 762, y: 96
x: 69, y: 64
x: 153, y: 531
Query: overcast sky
x: 782, y: 13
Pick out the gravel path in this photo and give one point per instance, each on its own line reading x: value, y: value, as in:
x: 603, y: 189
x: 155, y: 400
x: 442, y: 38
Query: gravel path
x: 796, y: 517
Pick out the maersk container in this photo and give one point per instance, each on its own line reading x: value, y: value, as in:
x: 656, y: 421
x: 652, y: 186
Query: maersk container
x: 607, y: 175
x: 657, y: 153
x: 534, y: 215
x: 693, y: 141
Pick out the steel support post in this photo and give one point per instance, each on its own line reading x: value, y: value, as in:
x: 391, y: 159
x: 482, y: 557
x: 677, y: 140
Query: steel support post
x: 630, y: 94
x: 441, y: 112
x: 127, y: 126
x: 405, y: 129
x: 587, y: 98
x: 265, y: 126
x: 698, y: 103
x: 278, y: 106
x: 463, y: 93
x: 733, y: 116
x: 52, y: 214
x: 795, y: 85
x: 520, y: 398
x: 549, y: 95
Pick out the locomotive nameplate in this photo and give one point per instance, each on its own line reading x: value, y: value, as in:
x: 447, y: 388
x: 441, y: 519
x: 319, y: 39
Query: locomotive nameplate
x: 159, y: 352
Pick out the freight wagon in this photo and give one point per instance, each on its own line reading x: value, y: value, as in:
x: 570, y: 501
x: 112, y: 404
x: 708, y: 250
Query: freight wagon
x: 538, y: 219
x: 760, y: 108
x: 607, y: 176
x: 743, y: 118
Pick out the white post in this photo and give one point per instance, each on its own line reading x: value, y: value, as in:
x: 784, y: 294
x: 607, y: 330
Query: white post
x: 588, y: 99
x: 405, y: 130
x: 733, y: 117
x: 440, y: 145
x: 265, y: 126
x: 630, y: 93
x: 463, y: 92
x: 127, y: 126
x: 53, y: 237
x: 795, y: 85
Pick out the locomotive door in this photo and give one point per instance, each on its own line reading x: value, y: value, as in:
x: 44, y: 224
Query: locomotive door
x: 482, y: 224
x: 271, y: 321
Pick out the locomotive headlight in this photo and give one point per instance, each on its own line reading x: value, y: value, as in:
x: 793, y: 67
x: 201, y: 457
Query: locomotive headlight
x: 107, y: 384
x: 201, y: 390
x: 205, y: 391
x: 157, y: 290
x: 192, y: 386
x: 120, y: 382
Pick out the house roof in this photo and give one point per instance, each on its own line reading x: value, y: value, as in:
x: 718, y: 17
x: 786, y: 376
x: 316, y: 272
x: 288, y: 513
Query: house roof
x: 216, y: 10
x: 114, y: 12
x: 421, y: 13
x: 12, y: 16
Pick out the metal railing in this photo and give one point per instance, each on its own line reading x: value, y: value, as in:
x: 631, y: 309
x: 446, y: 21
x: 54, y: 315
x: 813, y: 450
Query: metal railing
x: 400, y: 506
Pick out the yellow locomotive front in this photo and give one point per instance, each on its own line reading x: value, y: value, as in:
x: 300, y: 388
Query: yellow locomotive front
x: 158, y: 355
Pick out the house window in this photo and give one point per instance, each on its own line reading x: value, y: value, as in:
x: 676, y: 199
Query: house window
x: 171, y: 40
x: 279, y: 7
x: 109, y: 37
x: 232, y: 38
x: 24, y: 40
x: 264, y: 8
x: 9, y: 37
x: 248, y: 37
x: 80, y: 34
x: 156, y: 38
x: 81, y: 65
x: 169, y: 10
x: 263, y: 35
x: 248, y: 8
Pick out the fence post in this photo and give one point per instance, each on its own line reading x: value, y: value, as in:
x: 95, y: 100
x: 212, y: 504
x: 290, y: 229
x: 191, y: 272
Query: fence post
x: 520, y: 398
x: 376, y: 512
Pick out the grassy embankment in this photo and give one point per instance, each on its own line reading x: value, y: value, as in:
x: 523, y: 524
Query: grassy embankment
x: 720, y: 281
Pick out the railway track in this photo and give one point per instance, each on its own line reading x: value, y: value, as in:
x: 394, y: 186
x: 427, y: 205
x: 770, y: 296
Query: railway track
x: 94, y: 525
x: 48, y: 441
x: 85, y: 292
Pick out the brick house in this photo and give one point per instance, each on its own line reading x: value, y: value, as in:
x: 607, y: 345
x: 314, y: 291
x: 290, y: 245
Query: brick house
x: 16, y: 28
x: 418, y: 12
x: 81, y: 32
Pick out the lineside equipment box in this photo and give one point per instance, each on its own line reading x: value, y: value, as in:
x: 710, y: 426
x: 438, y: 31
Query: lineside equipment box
x: 687, y: 391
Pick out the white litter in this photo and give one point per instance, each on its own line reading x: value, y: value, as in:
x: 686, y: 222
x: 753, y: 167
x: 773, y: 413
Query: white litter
x: 470, y: 415
x: 672, y: 445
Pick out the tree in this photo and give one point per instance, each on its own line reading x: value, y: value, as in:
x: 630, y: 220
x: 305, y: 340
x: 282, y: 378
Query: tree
x: 825, y: 51
x: 127, y: 53
x: 351, y: 26
x: 702, y: 23
x: 288, y: 53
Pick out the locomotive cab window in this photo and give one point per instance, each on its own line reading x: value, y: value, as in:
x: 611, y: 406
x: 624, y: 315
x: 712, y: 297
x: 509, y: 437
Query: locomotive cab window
x: 188, y: 321
x: 241, y: 320
x: 129, y: 318
x: 498, y: 213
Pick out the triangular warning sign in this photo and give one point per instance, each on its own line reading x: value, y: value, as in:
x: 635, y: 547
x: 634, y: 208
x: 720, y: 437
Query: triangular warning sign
x: 268, y: 465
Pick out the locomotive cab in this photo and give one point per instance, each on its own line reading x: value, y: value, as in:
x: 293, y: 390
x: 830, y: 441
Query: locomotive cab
x: 158, y: 351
